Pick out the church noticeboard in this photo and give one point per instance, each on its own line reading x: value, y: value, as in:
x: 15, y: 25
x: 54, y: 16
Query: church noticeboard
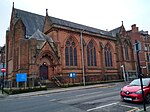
x: 21, y: 77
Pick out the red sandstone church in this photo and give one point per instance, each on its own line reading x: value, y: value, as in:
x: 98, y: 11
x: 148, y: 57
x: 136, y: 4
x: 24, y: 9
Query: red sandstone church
x: 49, y: 49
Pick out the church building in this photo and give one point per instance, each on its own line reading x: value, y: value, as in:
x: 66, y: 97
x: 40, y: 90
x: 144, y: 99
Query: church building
x: 52, y: 50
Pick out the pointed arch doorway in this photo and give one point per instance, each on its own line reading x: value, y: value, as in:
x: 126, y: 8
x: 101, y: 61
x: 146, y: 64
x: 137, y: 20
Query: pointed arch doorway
x: 44, y: 71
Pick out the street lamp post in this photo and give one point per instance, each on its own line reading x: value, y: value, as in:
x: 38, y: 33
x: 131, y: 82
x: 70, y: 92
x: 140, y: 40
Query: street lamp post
x: 148, y: 59
x: 137, y: 48
x: 83, y: 77
x: 124, y: 75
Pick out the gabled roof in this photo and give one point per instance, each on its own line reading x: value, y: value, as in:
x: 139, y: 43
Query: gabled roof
x: 41, y: 36
x: 31, y: 21
x: 81, y: 27
x: 115, y: 31
x: 34, y: 21
x: 144, y: 33
x: 42, y: 39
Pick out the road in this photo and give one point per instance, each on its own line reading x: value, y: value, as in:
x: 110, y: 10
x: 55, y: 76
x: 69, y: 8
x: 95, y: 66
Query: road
x: 99, y: 99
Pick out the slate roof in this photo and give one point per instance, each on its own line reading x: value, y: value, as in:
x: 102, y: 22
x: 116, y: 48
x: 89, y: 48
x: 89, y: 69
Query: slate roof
x: 34, y: 21
x: 41, y: 36
x: 115, y: 31
x: 144, y: 33
x: 31, y: 21
x: 79, y: 26
x: 42, y: 39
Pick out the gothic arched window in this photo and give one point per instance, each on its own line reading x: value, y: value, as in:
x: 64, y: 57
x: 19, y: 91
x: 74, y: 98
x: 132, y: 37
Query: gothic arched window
x: 108, y: 56
x: 91, y: 54
x: 70, y: 53
x: 126, y: 51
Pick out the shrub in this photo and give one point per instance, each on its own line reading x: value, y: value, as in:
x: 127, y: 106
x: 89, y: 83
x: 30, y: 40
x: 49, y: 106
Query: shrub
x: 23, y: 90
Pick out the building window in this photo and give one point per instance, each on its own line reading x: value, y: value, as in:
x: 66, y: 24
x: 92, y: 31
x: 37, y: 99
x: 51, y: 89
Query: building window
x: 148, y: 67
x: 145, y: 38
x: 108, y: 56
x: 91, y: 54
x: 146, y: 47
x: 126, y: 52
x: 70, y: 53
x: 148, y: 57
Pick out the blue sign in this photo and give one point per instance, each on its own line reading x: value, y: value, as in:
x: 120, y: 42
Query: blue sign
x: 72, y: 75
x: 21, y: 77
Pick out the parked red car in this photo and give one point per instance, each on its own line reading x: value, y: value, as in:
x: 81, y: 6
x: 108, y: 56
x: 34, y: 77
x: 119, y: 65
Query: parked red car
x: 133, y: 92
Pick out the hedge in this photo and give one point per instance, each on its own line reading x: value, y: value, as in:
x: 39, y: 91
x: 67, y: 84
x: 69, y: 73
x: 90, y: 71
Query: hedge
x: 23, y: 90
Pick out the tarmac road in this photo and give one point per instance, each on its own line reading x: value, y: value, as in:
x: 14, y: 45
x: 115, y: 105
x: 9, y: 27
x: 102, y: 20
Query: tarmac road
x: 96, y: 98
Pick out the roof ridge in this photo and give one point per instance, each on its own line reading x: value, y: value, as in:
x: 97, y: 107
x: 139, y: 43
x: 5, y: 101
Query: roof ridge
x: 36, y: 23
x: 28, y: 12
x: 76, y: 23
x: 78, y: 26
x: 115, y: 29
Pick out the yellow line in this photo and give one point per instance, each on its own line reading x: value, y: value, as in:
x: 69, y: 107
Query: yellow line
x: 134, y: 110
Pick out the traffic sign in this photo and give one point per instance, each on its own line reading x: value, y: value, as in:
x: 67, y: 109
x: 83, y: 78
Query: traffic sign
x: 3, y: 70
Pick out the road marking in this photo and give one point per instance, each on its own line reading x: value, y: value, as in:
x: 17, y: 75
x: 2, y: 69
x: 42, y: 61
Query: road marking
x: 52, y: 100
x: 133, y: 108
x: 128, y: 106
x: 88, y: 94
x: 102, y: 106
x: 105, y: 86
x: 146, y: 108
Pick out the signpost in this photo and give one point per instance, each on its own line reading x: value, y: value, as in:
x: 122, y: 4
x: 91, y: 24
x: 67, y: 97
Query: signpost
x: 3, y: 70
x: 21, y: 77
x: 72, y: 75
x: 137, y: 49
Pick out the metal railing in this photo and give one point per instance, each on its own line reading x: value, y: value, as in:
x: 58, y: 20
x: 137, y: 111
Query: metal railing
x: 56, y: 80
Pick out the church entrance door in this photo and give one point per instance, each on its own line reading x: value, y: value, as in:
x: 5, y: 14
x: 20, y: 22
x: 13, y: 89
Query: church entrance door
x: 44, y: 71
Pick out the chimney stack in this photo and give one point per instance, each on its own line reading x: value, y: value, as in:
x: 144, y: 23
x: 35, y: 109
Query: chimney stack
x: 134, y: 28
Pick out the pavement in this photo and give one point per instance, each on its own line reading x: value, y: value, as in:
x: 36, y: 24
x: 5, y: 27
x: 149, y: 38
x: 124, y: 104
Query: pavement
x: 2, y: 95
x: 142, y: 110
x: 56, y: 90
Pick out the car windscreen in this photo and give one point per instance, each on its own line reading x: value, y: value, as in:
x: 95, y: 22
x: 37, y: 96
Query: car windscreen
x: 138, y: 83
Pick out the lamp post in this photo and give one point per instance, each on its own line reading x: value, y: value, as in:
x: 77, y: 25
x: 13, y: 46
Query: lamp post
x: 148, y: 59
x: 124, y: 75
x: 83, y: 77
x: 138, y: 48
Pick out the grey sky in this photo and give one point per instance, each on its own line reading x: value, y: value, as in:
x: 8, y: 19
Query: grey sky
x: 101, y: 14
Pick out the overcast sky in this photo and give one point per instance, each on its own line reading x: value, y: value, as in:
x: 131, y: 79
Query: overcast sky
x: 101, y: 14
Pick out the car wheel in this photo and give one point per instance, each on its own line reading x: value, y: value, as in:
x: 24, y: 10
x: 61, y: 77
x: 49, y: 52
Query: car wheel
x: 148, y: 98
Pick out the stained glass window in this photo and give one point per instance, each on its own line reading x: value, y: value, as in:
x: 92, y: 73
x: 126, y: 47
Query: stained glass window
x: 126, y: 52
x: 108, y: 56
x: 91, y: 54
x: 70, y: 53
